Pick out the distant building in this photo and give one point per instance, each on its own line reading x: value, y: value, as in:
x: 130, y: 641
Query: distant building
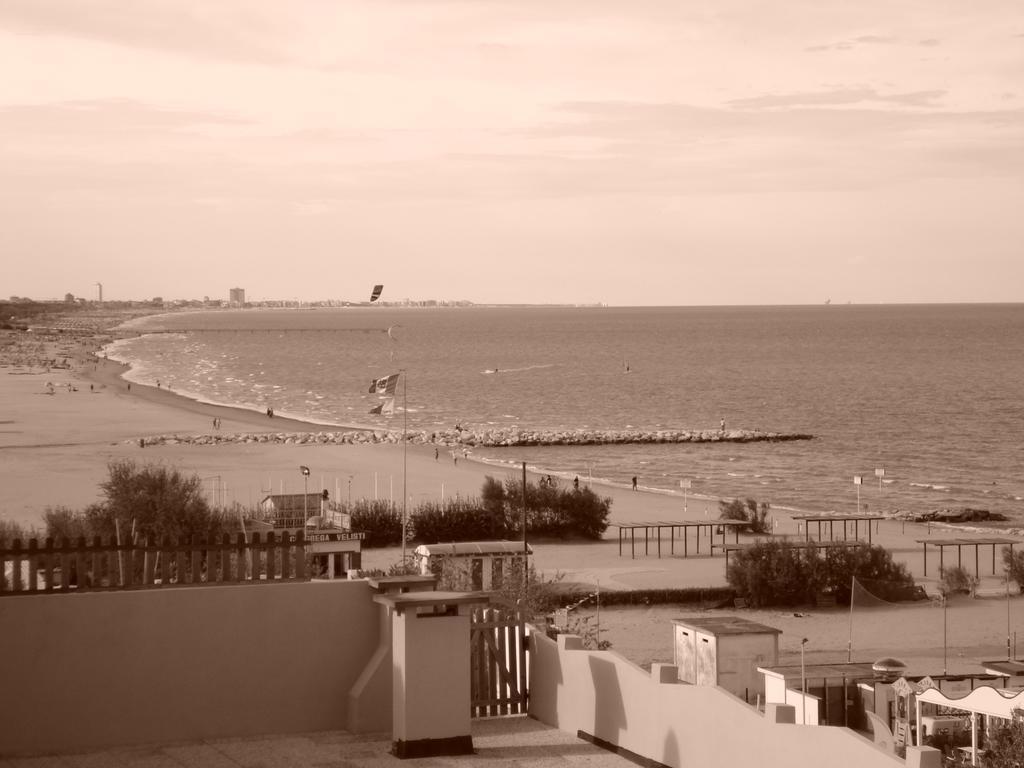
x: 236, y: 296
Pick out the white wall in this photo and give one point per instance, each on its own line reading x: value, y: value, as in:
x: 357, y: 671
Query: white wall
x: 604, y: 695
x: 98, y: 669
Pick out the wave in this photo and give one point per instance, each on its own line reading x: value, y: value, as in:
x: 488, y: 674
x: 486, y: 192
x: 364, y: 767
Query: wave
x: 517, y: 370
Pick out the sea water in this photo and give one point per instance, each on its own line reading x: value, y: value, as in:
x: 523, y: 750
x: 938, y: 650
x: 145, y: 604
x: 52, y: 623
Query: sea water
x: 932, y: 394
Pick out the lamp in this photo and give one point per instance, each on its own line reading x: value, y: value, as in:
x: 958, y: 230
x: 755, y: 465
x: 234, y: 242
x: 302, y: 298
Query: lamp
x: 305, y: 496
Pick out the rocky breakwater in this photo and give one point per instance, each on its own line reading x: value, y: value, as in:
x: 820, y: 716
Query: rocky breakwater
x: 486, y: 438
x: 959, y: 515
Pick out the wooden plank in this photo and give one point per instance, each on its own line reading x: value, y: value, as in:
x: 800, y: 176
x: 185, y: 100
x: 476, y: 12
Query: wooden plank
x: 148, y: 562
x: 196, y: 569
x: 180, y: 566
x: 524, y: 683
x: 300, y: 556
x: 165, y: 561
x: 509, y: 653
x: 18, y: 586
x: 239, y: 558
x: 96, y: 556
x: 271, y: 552
x: 81, y: 564
x: 47, y: 558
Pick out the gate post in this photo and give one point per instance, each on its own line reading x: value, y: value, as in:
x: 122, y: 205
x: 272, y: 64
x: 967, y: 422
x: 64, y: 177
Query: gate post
x: 430, y: 672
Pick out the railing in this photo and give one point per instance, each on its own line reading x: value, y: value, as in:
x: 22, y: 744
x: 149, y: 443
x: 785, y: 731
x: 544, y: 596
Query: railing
x: 78, y: 566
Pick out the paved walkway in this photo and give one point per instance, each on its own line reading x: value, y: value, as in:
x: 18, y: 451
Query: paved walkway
x: 512, y: 742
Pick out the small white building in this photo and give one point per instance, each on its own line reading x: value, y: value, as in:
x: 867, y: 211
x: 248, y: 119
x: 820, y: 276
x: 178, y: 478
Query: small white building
x: 725, y: 651
x: 484, y: 563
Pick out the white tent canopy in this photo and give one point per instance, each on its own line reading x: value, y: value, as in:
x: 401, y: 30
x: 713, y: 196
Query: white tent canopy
x: 984, y: 700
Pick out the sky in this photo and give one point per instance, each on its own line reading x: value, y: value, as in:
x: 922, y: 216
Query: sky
x: 649, y: 152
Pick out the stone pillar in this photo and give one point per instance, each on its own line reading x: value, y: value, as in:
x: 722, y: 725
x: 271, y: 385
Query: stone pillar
x: 780, y: 713
x: 924, y: 757
x: 430, y: 689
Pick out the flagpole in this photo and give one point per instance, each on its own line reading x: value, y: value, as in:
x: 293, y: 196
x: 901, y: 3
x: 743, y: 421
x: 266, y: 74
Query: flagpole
x: 405, y: 456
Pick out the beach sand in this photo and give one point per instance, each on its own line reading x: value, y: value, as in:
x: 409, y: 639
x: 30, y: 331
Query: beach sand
x: 54, y: 451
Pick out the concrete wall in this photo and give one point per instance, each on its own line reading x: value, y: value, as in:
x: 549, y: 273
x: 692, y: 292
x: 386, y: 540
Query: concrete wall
x: 604, y: 695
x: 109, y: 668
x: 739, y: 656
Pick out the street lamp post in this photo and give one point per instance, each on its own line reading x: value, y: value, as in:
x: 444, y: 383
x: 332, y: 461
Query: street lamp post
x: 803, y: 682
x: 305, y: 496
x: 350, y: 490
x: 945, y: 599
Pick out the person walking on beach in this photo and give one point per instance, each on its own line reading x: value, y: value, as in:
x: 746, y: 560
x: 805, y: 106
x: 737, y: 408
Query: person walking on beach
x: 721, y: 425
x: 634, y: 482
x: 576, y: 483
x: 436, y: 454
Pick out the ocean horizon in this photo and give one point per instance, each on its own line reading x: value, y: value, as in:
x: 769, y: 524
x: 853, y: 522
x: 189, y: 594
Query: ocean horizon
x: 932, y: 394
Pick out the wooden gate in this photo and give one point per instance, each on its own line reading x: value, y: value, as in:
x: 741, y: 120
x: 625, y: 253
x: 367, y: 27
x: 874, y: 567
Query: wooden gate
x: 498, y: 672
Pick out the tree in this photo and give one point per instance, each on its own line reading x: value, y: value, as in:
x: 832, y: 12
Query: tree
x: 154, y: 502
x: 1006, y: 746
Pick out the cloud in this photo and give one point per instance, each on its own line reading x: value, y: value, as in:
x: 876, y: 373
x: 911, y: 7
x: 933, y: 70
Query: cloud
x: 839, y: 97
x: 87, y: 117
x: 850, y: 44
x: 931, y: 42
x: 213, y: 30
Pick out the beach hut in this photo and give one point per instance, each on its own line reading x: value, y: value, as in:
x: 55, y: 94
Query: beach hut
x: 725, y: 651
x: 479, y: 565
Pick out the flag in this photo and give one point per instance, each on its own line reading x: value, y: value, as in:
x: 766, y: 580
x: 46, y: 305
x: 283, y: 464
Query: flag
x: 386, y: 385
x: 386, y: 407
x: 376, y: 293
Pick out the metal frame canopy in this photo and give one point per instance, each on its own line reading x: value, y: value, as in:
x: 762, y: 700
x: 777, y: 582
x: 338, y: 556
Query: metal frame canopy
x: 960, y: 543
x: 672, y: 525
x: 984, y: 700
x: 832, y: 519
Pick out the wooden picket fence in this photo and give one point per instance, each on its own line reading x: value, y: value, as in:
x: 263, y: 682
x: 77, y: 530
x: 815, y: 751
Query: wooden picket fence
x: 78, y: 566
x: 498, y: 671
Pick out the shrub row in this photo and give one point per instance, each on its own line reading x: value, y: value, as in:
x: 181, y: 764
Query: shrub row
x: 778, y: 573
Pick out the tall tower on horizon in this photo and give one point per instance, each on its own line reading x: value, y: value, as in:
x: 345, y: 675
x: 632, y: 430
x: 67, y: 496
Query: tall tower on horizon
x: 236, y: 297
x: 100, y: 286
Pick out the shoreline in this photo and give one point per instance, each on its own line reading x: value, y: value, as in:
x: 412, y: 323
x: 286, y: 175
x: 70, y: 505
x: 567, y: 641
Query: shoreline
x: 110, y: 373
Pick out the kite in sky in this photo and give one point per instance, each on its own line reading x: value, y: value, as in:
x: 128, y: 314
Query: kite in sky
x: 376, y: 293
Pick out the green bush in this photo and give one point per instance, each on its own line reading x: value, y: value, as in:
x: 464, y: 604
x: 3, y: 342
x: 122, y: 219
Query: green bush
x: 379, y: 520
x: 1006, y: 745
x: 1013, y: 562
x: 778, y: 573
x: 750, y: 512
x: 551, y: 511
x: 954, y: 580
x: 459, y: 520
